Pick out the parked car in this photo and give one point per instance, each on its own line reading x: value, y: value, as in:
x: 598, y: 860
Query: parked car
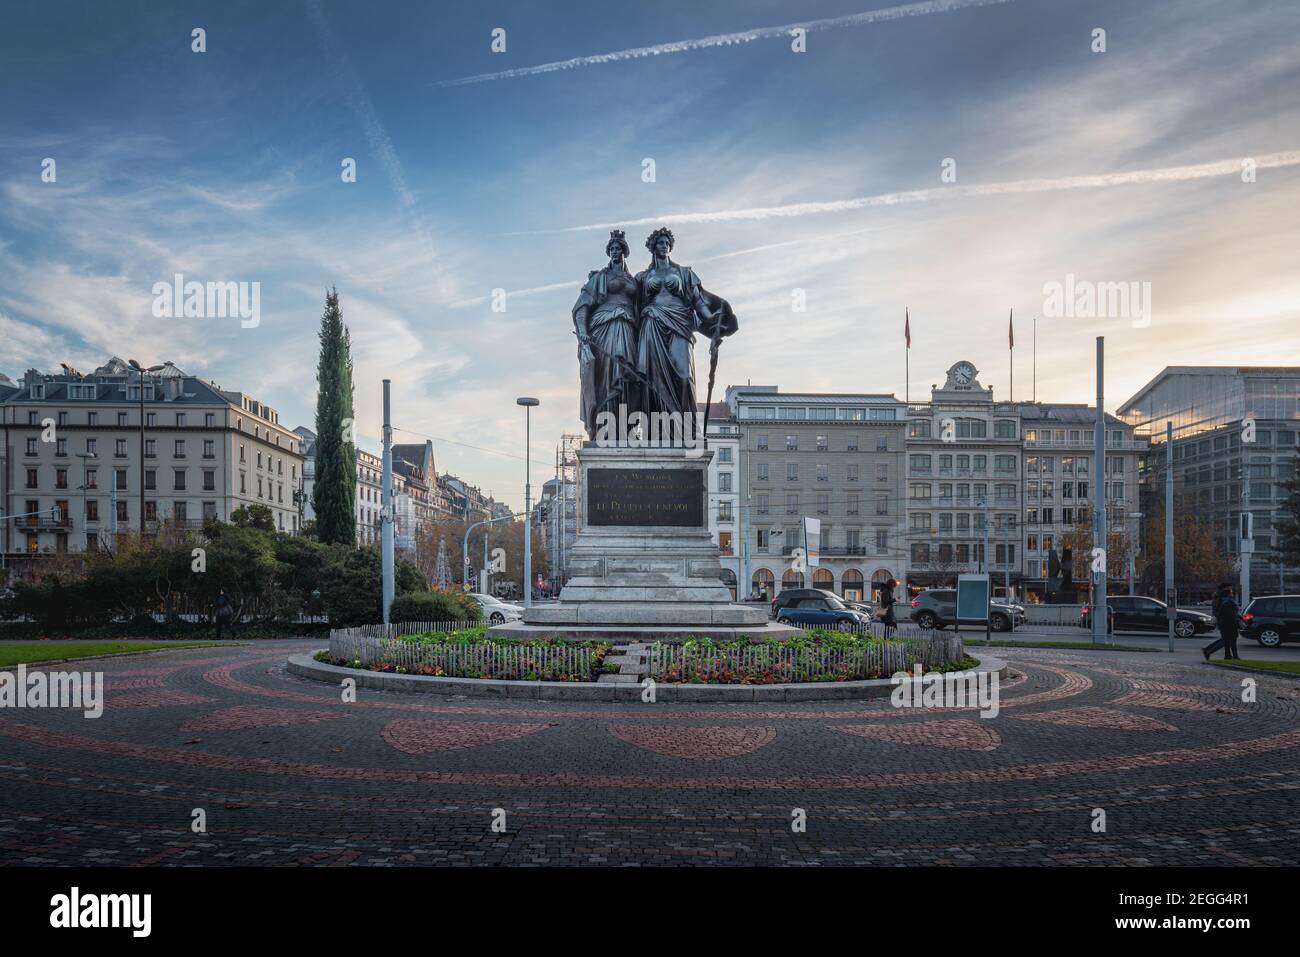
x: 867, y: 608
x: 815, y: 608
x: 937, y: 608
x: 496, y: 611
x: 790, y: 596
x: 1135, y: 613
x: 1272, y: 620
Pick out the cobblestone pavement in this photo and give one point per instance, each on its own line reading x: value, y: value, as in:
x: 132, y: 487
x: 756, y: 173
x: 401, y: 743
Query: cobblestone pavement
x: 286, y: 773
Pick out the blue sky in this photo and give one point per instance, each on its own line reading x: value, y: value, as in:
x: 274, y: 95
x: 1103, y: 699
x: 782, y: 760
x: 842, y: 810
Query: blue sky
x: 225, y: 166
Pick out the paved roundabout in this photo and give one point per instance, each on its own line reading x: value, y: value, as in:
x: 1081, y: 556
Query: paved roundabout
x: 285, y: 772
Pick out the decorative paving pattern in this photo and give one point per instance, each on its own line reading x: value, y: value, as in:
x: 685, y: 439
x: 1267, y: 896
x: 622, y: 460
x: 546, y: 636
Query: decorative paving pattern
x: 255, y: 716
x: 422, y: 737
x: 962, y: 734
x: 1104, y: 718
x: 697, y: 744
x: 406, y: 780
x: 153, y: 698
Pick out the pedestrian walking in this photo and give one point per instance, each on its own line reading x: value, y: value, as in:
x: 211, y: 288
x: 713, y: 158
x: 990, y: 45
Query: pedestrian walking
x: 1228, y: 614
x: 887, y: 602
x: 224, y: 613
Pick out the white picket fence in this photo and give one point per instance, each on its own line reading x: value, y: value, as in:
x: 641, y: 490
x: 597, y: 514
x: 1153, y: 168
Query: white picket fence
x: 478, y: 659
x: 870, y: 660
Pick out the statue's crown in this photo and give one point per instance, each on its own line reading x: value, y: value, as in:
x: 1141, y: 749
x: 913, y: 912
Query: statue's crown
x: 617, y: 235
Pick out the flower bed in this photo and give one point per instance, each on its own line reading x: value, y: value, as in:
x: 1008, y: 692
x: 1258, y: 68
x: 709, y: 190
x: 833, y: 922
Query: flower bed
x: 817, y: 656
x: 467, y: 653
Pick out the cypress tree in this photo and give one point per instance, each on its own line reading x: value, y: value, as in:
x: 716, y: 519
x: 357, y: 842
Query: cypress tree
x: 335, y: 491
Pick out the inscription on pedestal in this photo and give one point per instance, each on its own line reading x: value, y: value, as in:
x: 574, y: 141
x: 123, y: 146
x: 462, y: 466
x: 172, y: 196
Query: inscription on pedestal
x: 645, y: 497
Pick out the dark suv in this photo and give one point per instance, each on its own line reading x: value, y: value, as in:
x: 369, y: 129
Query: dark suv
x: 814, y: 608
x: 937, y: 608
x: 1272, y: 620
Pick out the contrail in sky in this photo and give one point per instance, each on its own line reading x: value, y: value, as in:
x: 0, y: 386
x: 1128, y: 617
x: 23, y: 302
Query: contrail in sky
x: 1167, y: 174
x: 729, y: 39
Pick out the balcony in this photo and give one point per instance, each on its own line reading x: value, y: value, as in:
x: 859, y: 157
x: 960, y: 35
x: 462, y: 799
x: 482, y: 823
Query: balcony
x: 831, y: 551
x: 45, y: 521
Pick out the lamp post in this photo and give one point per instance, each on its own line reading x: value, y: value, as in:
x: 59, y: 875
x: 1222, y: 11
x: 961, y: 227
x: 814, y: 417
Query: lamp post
x: 142, y: 370
x: 1134, y: 519
x: 528, y: 402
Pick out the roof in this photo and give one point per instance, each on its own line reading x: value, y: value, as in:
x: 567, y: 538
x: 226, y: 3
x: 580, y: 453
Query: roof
x: 1234, y: 371
x: 1066, y: 413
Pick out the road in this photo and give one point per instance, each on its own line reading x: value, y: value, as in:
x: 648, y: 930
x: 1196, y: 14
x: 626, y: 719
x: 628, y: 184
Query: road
x: 281, y: 771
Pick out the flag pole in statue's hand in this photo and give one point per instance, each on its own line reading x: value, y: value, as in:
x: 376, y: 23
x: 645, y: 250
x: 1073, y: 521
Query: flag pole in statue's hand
x: 713, y: 372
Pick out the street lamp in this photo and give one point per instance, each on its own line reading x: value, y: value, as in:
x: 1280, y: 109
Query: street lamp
x: 1132, y: 550
x: 84, y: 485
x: 142, y: 370
x: 528, y: 402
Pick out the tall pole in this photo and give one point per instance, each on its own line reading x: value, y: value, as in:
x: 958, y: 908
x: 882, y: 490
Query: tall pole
x: 1171, y: 597
x: 1035, y: 376
x: 1247, y: 544
x: 141, y: 368
x: 1099, y: 609
x: 528, y: 403
x: 386, y: 511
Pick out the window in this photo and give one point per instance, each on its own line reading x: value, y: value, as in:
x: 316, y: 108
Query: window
x: 852, y: 504
x: 151, y: 511
x: 919, y: 491
x: 92, y: 447
x: 31, y: 445
x: 882, y: 541
x: 792, y: 471
x: 209, y: 510
x: 1004, y: 463
x: 179, y: 450
x: 92, y: 478
x: 119, y: 448
x: 791, y: 504
x: 852, y: 472
x: 724, y: 481
x: 724, y: 456
x: 823, y: 443
x: 760, y: 443
x: 180, y: 511
x: 920, y: 520
x: 92, y: 418
x: 724, y: 511
x: 762, y: 472
x: 823, y: 503
x: 150, y: 449
x: 92, y: 510
x: 209, y: 449
x: 151, y: 419
x: 882, y: 473
x: 792, y: 443
x: 882, y: 443
x: 119, y: 479
x: 150, y: 479
x: 209, y: 480
x: 919, y: 463
x: 121, y: 419
x: 209, y: 420
x: 1004, y: 429
x: 851, y: 442
x: 972, y: 429
x: 823, y: 472
x: 761, y: 503
x: 60, y: 478
x: 918, y: 429
x: 122, y: 514
x: 33, y: 478
x: 882, y: 504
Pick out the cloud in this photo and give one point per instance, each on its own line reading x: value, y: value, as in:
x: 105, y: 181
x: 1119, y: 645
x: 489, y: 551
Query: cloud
x: 1168, y: 174
x: 729, y: 39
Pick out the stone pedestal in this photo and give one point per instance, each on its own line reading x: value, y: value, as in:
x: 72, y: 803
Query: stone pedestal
x: 644, y: 564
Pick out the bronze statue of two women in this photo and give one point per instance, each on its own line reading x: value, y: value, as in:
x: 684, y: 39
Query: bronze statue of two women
x: 636, y: 333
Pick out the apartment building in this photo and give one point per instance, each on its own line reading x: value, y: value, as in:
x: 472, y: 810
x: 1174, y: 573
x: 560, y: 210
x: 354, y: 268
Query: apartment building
x: 81, y: 452
x: 724, y: 491
x: 834, y: 457
x: 963, y: 474
x: 1062, y: 485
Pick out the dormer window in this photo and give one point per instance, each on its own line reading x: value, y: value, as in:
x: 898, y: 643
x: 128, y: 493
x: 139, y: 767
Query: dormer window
x: 38, y: 390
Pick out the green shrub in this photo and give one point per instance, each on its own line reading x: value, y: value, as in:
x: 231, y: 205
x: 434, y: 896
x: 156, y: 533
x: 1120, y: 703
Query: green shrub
x: 433, y: 606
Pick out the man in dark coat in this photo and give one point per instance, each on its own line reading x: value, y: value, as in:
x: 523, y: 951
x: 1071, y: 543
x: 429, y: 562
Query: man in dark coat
x: 224, y: 612
x: 1228, y: 614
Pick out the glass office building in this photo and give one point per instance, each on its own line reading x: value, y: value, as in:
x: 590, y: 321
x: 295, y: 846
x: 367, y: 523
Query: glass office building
x: 1234, y: 431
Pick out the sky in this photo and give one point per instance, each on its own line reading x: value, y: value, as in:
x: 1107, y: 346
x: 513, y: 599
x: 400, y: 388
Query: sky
x: 949, y: 158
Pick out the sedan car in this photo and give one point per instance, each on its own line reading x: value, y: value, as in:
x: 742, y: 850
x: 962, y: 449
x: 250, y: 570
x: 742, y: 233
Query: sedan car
x: 1135, y: 613
x: 495, y: 610
x: 1272, y: 620
x: 937, y: 608
x: 821, y: 609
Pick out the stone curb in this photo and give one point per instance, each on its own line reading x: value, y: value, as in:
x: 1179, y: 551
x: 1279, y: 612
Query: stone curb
x: 121, y: 654
x: 305, y: 666
x: 1289, y: 675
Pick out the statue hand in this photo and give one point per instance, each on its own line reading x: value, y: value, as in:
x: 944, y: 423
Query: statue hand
x: 585, y: 354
